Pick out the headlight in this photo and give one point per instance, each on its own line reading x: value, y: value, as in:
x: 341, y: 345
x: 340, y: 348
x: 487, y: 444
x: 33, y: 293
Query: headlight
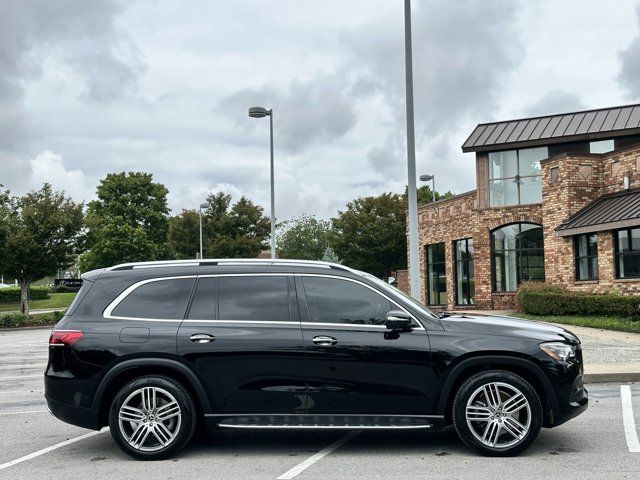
x: 559, y: 351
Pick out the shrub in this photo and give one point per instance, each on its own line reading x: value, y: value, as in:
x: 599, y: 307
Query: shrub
x: 562, y: 302
x: 15, y: 319
x: 12, y: 294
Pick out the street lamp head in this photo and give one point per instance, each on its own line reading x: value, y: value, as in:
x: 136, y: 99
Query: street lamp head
x: 426, y: 178
x: 204, y: 205
x: 259, y: 112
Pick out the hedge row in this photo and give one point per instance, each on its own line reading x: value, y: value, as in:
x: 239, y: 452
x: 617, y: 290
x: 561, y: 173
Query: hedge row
x: 19, y: 320
x: 577, y: 303
x: 12, y: 294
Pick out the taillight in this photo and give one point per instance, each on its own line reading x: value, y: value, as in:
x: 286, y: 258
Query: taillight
x: 65, y: 337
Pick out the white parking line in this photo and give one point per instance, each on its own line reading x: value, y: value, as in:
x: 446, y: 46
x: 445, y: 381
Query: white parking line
x: 24, y: 411
x: 627, y: 418
x: 22, y: 376
x: 295, y: 471
x: 48, y: 449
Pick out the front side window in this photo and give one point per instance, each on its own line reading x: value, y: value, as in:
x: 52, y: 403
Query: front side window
x: 332, y: 300
x: 586, y: 248
x: 436, y: 275
x: 465, y: 281
x: 518, y: 255
x: 628, y: 253
x: 159, y: 299
x: 515, y: 176
x: 254, y: 298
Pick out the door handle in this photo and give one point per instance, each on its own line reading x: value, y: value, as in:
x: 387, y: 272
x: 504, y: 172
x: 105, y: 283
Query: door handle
x: 324, y: 341
x: 202, y: 338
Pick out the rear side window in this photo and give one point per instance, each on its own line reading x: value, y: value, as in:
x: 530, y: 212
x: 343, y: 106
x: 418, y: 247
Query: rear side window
x: 203, y: 304
x: 331, y: 300
x: 159, y: 299
x: 260, y: 298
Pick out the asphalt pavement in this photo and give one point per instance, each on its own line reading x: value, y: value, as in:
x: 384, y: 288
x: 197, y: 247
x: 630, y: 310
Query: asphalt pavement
x: 601, y: 443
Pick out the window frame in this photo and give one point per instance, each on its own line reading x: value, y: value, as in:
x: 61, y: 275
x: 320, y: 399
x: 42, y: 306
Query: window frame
x: 517, y: 251
x: 305, y: 315
x: 428, y: 277
x: 618, y: 254
x: 516, y: 179
x: 577, y: 257
x: 466, y: 262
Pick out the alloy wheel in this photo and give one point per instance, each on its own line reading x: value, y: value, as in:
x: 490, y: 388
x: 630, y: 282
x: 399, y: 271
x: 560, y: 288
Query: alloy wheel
x: 498, y: 415
x: 150, y: 419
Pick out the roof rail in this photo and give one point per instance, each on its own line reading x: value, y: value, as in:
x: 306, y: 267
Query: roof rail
x: 226, y: 261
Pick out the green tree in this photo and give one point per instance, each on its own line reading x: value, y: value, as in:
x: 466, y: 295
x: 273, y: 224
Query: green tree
x: 229, y: 231
x: 184, y: 234
x: 303, y: 238
x: 238, y: 231
x: 42, y: 234
x: 128, y: 222
x: 425, y: 194
x: 370, y: 234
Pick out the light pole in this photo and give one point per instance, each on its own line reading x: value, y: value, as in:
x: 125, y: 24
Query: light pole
x: 202, y: 205
x: 414, y: 261
x: 260, y: 112
x: 426, y: 178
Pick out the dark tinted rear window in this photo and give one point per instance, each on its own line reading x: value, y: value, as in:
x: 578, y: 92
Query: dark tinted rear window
x: 203, y: 304
x: 162, y: 299
x: 259, y: 298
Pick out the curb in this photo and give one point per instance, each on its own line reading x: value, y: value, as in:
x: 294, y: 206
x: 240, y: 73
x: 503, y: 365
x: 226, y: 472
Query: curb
x: 611, y: 377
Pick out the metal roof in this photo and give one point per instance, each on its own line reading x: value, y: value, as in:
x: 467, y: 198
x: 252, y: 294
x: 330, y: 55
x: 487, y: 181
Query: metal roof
x: 564, y: 127
x: 609, y: 212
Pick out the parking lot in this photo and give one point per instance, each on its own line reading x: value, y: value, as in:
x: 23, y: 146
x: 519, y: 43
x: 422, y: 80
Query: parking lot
x: 602, y: 443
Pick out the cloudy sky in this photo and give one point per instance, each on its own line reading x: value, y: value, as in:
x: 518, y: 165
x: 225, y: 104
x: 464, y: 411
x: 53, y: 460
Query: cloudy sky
x: 88, y: 88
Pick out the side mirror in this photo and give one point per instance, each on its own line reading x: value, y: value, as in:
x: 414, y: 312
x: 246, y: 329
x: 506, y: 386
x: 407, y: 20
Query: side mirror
x: 399, y: 321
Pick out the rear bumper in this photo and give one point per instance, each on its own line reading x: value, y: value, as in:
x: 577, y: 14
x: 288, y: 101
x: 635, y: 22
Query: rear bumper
x: 79, y: 416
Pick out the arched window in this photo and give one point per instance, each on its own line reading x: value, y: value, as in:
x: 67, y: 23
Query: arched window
x: 518, y: 255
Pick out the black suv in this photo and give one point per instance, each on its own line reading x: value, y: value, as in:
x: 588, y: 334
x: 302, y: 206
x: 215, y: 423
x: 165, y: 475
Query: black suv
x: 155, y: 350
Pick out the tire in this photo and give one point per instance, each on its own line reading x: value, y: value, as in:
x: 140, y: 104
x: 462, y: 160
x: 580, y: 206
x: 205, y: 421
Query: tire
x: 501, y: 404
x: 158, y: 420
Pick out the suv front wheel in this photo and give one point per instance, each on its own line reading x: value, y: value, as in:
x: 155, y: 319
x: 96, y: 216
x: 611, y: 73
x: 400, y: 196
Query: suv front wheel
x: 152, y: 418
x: 497, y: 413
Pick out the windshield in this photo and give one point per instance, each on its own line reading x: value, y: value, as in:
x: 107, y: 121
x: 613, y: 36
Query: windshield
x: 399, y: 293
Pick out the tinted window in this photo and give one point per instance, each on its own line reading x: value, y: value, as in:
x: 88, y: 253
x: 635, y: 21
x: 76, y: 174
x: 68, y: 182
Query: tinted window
x: 163, y: 299
x: 253, y: 298
x: 203, y: 303
x: 332, y: 300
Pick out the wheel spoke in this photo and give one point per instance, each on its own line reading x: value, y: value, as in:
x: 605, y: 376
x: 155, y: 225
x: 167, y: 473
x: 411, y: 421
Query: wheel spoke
x: 139, y: 435
x: 131, y: 414
x: 515, y: 403
x: 149, y: 399
x: 168, y: 411
x: 491, y: 433
x: 478, y: 413
x: 163, y: 434
x: 492, y: 394
x: 519, y: 430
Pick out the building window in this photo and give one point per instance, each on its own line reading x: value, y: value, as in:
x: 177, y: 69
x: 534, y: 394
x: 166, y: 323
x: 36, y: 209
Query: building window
x: 586, y: 248
x: 518, y: 255
x: 601, y: 146
x: 628, y: 253
x: 515, y: 176
x: 465, y: 280
x: 436, y: 275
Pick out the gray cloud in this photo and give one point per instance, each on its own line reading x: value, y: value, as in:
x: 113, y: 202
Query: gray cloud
x: 308, y: 111
x: 555, y: 101
x: 463, y: 52
x: 630, y: 64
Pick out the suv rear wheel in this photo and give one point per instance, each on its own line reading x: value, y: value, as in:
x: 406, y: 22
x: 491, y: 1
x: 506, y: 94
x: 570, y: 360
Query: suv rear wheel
x: 152, y: 418
x: 497, y: 413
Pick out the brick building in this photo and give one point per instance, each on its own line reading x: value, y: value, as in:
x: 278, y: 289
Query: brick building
x: 557, y: 199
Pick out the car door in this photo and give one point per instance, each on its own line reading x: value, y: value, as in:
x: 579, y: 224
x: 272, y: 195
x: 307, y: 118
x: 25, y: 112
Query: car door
x: 354, y: 364
x: 242, y: 337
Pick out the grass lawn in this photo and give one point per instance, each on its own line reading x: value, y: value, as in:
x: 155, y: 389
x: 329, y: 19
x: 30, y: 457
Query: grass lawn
x: 56, y: 300
x: 620, y: 324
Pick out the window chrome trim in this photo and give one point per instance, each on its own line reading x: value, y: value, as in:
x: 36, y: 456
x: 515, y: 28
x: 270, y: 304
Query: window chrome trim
x: 355, y: 325
x: 107, y: 314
